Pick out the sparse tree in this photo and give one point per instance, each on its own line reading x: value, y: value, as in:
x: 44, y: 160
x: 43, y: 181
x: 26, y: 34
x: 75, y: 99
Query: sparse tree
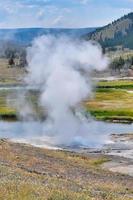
x: 11, y: 61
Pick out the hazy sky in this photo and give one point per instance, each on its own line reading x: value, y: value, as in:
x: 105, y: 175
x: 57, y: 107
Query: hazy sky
x: 61, y: 13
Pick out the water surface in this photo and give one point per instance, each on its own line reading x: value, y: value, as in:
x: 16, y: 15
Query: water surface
x: 33, y: 133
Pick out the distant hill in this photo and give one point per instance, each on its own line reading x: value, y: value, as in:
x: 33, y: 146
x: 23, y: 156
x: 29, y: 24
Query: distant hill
x: 24, y: 36
x: 119, y: 32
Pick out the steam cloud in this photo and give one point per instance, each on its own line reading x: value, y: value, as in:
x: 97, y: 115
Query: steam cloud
x: 61, y: 68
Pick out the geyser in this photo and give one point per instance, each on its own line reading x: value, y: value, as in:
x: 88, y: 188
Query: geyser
x: 61, y: 68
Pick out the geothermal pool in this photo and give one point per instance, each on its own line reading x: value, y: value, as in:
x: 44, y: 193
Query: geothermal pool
x: 33, y: 133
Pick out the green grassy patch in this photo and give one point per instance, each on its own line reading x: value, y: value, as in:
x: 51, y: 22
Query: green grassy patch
x: 107, y: 104
x: 119, y: 115
x: 111, y: 103
x: 121, y: 84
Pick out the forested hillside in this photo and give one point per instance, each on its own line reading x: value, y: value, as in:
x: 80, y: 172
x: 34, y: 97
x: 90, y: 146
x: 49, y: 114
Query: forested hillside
x: 118, y: 33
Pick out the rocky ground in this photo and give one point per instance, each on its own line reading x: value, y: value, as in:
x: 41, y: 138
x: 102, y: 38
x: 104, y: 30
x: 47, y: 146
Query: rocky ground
x: 119, y: 152
x: 122, y: 154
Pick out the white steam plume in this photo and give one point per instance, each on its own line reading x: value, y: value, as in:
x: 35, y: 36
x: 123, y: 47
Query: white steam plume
x: 61, y: 68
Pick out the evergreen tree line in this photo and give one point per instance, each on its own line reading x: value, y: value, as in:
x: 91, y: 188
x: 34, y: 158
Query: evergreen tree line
x: 122, y: 63
x: 16, y: 57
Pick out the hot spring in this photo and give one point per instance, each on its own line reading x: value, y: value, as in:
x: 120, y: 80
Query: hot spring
x: 60, y: 69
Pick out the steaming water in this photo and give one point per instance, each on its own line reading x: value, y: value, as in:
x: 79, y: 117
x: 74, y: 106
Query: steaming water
x: 32, y: 133
x: 16, y: 88
x: 61, y: 68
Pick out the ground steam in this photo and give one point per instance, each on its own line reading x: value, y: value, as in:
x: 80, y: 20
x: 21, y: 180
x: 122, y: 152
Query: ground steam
x: 60, y: 68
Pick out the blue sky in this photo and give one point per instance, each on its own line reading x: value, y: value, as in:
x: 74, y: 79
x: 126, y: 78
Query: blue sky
x: 61, y: 13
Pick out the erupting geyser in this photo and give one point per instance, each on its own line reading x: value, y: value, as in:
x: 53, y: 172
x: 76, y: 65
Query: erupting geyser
x: 60, y: 67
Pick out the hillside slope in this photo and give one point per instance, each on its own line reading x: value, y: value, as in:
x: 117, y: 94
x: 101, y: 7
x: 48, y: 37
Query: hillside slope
x: 24, y: 36
x: 119, y: 32
x: 30, y: 173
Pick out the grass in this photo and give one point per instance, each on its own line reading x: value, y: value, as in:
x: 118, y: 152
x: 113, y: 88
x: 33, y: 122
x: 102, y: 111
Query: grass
x: 112, y: 115
x: 6, y: 111
x: 28, y: 191
x: 111, y: 104
x: 108, y: 103
x: 8, y: 100
x: 28, y: 172
x: 117, y: 84
x: 112, y: 100
x: 8, y: 114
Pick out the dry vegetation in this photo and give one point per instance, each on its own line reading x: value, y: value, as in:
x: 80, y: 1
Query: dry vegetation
x: 10, y: 75
x: 29, y: 173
